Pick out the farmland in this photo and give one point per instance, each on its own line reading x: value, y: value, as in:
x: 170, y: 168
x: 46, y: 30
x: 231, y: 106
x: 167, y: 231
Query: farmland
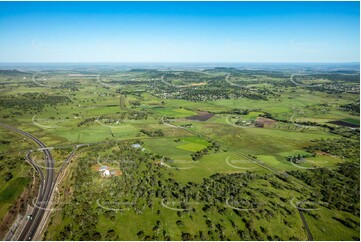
x: 221, y: 153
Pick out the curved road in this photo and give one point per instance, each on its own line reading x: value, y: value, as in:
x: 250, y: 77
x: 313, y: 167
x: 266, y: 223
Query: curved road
x: 305, y: 224
x: 47, y: 187
x: 37, y: 169
x: 300, y: 84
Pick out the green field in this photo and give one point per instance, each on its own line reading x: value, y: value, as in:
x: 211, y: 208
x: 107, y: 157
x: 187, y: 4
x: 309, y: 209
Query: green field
x: 230, y: 177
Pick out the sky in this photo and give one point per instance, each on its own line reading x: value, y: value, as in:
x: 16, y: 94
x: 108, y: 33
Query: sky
x: 179, y: 32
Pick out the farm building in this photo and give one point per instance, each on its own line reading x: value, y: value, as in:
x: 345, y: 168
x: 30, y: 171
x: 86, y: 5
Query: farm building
x: 264, y: 122
x: 136, y: 146
x: 106, y: 173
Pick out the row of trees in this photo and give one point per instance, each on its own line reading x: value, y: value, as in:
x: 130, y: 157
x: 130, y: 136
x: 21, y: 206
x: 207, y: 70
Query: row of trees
x: 32, y: 101
x: 199, y: 154
x: 155, y: 133
x: 354, y: 108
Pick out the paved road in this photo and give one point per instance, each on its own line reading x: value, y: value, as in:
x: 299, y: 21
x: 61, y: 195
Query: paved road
x: 68, y: 159
x: 37, y: 83
x: 231, y: 83
x: 305, y: 224
x: 47, y: 187
x: 167, y: 83
x: 234, y: 84
x: 37, y: 168
x: 302, y: 85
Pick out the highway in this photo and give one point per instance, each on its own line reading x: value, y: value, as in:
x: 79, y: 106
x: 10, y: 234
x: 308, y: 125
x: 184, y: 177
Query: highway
x: 47, y: 186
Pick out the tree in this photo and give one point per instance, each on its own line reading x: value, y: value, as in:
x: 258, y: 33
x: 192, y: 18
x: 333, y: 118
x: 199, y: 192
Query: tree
x: 7, y: 176
x: 123, y: 101
x: 140, y: 234
x: 186, y: 236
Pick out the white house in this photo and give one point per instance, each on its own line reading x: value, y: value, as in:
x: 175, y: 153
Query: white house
x: 106, y: 173
x: 136, y: 146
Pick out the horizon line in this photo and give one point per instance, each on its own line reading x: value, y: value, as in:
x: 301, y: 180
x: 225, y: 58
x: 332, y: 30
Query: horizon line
x: 181, y: 62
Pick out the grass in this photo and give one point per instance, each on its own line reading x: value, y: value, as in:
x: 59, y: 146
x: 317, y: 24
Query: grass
x: 352, y: 121
x: 13, y: 162
x: 173, y: 112
x: 166, y: 147
x: 221, y: 162
x: 13, y: 189
x: 256, y: 140
x: 192, y: 147
x: 10, y: 193
x: 96, y: 133
x: 327, y: 228
x: 195, y: 139
x: 270, y: 145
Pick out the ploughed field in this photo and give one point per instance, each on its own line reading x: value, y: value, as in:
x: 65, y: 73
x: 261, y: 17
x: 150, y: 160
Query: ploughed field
x: 346, y: 124
x: 214, y: 154
x: 201, y: 116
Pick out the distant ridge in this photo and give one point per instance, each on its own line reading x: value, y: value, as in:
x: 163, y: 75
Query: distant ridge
x: 13, y: 72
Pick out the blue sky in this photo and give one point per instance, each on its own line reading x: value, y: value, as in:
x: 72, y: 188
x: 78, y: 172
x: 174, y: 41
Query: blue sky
x: 179, y: 31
